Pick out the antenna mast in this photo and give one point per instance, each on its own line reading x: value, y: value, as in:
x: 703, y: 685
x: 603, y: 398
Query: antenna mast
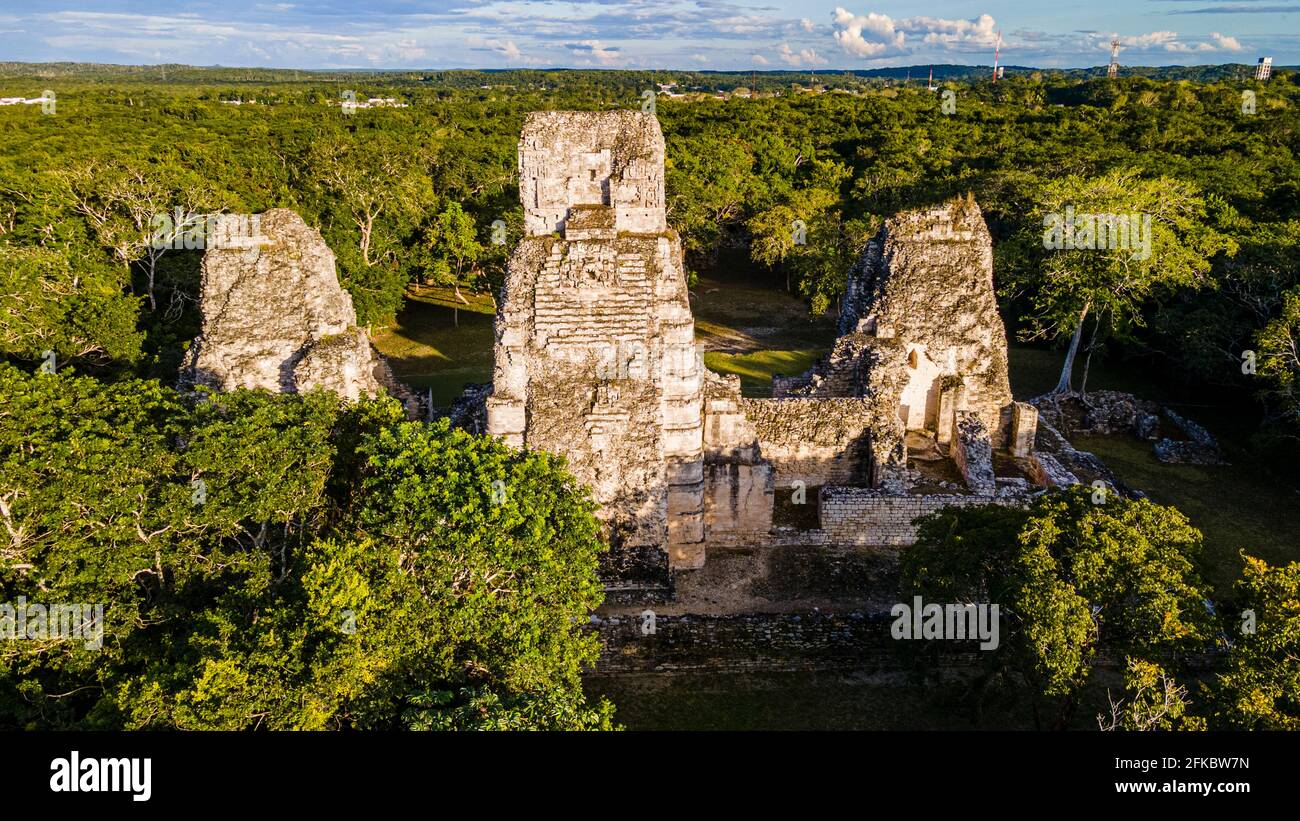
x: 996, y: 51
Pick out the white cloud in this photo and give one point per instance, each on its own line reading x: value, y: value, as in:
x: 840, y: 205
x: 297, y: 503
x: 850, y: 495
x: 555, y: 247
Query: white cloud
x: 806, y: 24
x: 805, y: 56
x: 760, y: 59
x: 877, y: 35
x: 604, y: 55
x: 1168, y: 41
x: 506, y: 48
x: 981, y: 32
x: 1226, y: 43
x: 1150, y: 40
x: 866, y: 36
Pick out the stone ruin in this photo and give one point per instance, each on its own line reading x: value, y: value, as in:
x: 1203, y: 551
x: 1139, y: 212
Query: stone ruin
x: 595, y: 359
x: 595, y: 343
x: 276, y: 318
x: 920, y: 336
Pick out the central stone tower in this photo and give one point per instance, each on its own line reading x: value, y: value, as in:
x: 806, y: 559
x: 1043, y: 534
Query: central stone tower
x: 595, y: 352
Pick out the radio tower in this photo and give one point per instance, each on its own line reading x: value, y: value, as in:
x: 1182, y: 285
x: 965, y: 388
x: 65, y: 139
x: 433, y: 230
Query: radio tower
x: 997, y: 48
x: 1112, y: 70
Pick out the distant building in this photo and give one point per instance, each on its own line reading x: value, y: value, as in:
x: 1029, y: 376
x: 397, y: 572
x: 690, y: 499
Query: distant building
x: 1264, y: 69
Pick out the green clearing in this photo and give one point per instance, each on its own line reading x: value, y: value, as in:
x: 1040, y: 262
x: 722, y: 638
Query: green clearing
x: 1237, y: 507
x: 757, y: 369
x: 440, y: 343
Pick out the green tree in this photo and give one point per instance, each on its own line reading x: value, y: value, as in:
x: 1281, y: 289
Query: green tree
x: 276, y: 561
x: 1155, y: 702
x: 74, y: 307
x: 1070, y: 577
x: 451, y: 244
x: 1075, y: 264
x: 1260, y: 690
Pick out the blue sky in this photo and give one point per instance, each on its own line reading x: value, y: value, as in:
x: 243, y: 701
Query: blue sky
x: 661, y: 34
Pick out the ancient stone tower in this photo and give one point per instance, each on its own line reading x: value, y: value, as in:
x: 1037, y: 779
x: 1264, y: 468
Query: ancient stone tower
x: 276, y: 318
x: 920, y: 334
x: 595, y: 353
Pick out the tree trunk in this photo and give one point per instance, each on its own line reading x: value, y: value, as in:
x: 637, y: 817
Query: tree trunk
x: 1063, y: 385
x: 1087, y: 360
x: 366, y: 228
x: 152, y: 265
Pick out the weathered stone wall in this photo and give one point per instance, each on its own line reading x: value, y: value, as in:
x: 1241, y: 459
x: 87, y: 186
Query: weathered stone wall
x: 862, y: 516
x: 1024, y: 429
x: 768, y: 642
x: 595, y: 343
x: 276, y: 318
x: 920, y: 331
x: 814, y: 441
x: 738, y: 481
x: 738, y: 502
x: 789, y: 642
x: 973, y: 454
x: 570, y: 159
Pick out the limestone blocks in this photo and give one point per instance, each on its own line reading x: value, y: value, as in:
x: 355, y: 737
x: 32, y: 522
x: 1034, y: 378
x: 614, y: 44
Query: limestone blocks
x: 595, y: 352
x: 276, y: 318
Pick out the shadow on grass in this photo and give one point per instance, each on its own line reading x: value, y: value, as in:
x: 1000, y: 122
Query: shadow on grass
x: 440, y: 344
x: 1236, y: 507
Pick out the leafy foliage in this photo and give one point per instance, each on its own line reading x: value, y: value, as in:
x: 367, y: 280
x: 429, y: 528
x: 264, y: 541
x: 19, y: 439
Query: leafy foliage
x: 276, y: 561
x: 1071, y: 577
x: 1260, y: 689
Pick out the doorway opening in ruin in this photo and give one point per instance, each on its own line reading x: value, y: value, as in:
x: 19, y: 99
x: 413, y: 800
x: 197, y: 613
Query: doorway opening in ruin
x: 919, y: 404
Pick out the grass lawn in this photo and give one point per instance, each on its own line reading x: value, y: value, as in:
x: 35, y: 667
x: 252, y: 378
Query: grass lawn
x: 1237, y: 507
x: 756, y: 369
x: 745, y: 329
x: 439, y: 343
x: 756, y: 332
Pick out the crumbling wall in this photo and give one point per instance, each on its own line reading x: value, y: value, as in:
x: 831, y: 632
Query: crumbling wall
x: 276, y: 318
x: 872, y: 371
x: 920, y: 331
x: 973, y: 453
x: 863, y: 516
x: 814, y: 441
x: 738, y: 481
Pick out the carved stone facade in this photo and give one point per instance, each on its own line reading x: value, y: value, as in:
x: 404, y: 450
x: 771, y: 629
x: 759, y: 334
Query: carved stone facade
x: 595, y: 343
